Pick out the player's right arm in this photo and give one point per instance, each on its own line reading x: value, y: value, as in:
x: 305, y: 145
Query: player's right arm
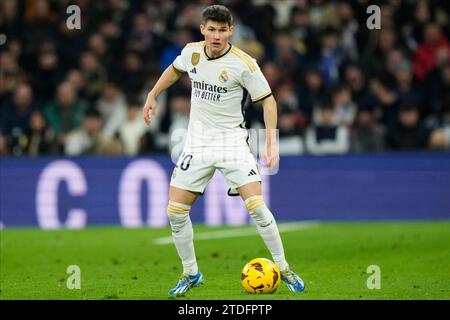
x: 168, y: 78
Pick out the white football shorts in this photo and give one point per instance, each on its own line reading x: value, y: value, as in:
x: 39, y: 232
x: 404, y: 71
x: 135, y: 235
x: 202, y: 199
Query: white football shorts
x: 196, y: 167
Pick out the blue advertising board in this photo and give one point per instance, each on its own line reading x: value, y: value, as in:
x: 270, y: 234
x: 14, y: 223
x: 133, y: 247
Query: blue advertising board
x: 133, y: 192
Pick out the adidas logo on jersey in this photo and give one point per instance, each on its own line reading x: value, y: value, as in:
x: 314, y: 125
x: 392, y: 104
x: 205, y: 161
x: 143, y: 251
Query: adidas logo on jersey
x: 252, y: 173
x: 193, y: 71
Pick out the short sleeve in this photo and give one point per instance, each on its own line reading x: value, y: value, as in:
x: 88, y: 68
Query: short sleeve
x: 256, y: 84
x: 180, y: 62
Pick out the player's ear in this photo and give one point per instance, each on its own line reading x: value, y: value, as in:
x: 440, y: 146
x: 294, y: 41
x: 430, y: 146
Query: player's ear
x: 231, y: 30
x: 202, y: 29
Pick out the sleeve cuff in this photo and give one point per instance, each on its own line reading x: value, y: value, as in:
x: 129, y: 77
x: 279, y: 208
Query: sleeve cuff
x: 178, y: 71
x: 262, y: 97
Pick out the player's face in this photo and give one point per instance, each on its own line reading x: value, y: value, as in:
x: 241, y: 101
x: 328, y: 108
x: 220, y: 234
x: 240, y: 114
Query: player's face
x: 216, y: 35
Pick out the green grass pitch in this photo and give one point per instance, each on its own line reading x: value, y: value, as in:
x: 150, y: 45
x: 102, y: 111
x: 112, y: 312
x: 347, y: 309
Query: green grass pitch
x: 332, y: 258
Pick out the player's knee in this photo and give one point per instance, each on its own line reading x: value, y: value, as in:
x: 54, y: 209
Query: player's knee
x: 259, y: 211
x: 177, y: 208
x: 178, y: 214
x: 253, y: 203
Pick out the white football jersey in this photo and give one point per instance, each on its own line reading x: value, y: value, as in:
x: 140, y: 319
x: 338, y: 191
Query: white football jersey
x: 219, y: 90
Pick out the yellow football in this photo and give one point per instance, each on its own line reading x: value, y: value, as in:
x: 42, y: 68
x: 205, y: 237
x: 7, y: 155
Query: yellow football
x: 260, y: 275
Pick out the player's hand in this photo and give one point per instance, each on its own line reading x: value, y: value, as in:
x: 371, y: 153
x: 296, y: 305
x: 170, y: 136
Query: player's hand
x: 271, y: 156
x: 149, y: 110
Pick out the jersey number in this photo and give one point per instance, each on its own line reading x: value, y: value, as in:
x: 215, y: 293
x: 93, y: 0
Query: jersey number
x: 185, y: 164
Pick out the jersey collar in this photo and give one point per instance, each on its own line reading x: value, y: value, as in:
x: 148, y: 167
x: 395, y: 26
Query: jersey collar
x: 218, y: 57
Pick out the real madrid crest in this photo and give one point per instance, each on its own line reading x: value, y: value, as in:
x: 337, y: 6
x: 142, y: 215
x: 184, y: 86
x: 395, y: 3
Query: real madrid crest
x: 223, y: 76
x: 195, y: 58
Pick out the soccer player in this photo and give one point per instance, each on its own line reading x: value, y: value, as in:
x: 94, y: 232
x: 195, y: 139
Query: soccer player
x: 222, y: 76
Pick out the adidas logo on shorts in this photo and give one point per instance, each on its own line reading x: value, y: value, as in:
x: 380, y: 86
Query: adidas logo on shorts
x: 252, y: 173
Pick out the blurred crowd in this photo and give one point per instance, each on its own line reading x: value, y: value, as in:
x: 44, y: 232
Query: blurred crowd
x: 341, y: 87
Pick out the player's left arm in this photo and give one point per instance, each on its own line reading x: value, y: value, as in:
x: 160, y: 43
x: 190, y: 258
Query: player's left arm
x: 271, y: 153
x: 258, y: 87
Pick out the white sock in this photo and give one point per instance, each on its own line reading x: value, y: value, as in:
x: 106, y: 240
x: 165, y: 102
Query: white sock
x: 183, y: 235
x: 268, y: 230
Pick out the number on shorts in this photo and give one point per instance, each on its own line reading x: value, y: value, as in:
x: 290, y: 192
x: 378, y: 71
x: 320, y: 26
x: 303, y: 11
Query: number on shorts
x: 185, y: 164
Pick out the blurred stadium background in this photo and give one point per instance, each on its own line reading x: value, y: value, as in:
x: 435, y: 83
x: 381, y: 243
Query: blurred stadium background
x: 373, y: 104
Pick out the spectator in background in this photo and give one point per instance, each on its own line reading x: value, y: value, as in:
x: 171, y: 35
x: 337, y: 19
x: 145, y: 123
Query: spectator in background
x: 438, y: 91
x: 367, y: 134
x: 433, y: 52
x: 11, y: 75
x: 349, y: 31
x: 48, y: 69
x: 124, y: 41
x: 290, y: 130
x: 15, y: 114
x: 294, y: 121
x: 262, y: 20
x: 409, y: 134
x: 287, y: 96
x: 323, y: 14
x: 132, y: 75
x: 41, y: 139
x: 272, y: 72
x: 132, y: 131
x: 88, y: 140
x: 65, y: 113
x: 376, y: 53
x: 253, y: 48
x: 387, y: 99
x: 10, y: 24
x: 344, y: 109
x: 173, y: 124
x: 40, y: 25
x: 387, y: 18
x: 75, y: 78
x: 180, y: 107
x: 403, y: 91
x: 331, y: 57
x: 15, y: 47
x: 15, y: 118
x: 4, y: 151
x: 393, y: 59
x: 440, y: 137
x: 357, y: 82
x: 406, y: 91
x: 242, y: 33
x: 180, y: 38
x: 112, y: 33
x: 326, y: 137
x: 71, y: 42
x: 114, y: 10
x: 189, y: 17
x: 422, y: 15
x: 301, y: 29
x: 112, y: 106
x: 311, y: 93
x: 288, y: 55
x: 94, y: 75
x: 245, y: 38
x: 99, y: 47
x: 142, y: 39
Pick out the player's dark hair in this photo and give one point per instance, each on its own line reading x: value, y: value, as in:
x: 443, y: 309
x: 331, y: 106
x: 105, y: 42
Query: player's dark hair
x: 217, y: 13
